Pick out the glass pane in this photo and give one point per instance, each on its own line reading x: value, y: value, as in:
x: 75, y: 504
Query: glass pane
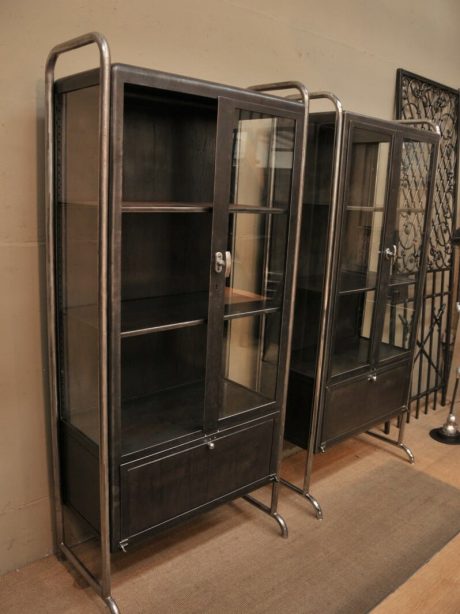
x: 78, y: 258
x: 263, y: 153
x: 162, y: 386
x: 412, y: 202
x: 360, y: 251
x: 257, y: 243
x: 77, y: 311
x: 250, y: 362
x: 365, y: 199
x: 353, y: 330
x: 399, y: 313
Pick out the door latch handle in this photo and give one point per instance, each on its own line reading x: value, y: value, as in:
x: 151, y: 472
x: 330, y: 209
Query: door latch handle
x: 390, y: 253
x: 372, y: 378
x: 222, y: 263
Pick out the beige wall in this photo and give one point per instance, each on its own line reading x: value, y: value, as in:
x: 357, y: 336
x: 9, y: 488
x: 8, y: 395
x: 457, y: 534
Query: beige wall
x: 349, y: 47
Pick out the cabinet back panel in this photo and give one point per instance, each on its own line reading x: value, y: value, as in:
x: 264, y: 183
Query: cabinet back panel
x: 168, y: 146
x: 162, y: 360
x: 165, y: 254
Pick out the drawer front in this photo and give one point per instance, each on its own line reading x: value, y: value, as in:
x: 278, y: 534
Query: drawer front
x: 352, y: 406
x: 158, y: 490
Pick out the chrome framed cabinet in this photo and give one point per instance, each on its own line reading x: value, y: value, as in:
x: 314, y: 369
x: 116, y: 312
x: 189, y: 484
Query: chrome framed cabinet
x: 366, y: 220
x: 173, y: 226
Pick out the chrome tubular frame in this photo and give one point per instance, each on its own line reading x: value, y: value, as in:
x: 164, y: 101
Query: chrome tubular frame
x: 304, y: 96
x: 103, y: 587
x: 421, y: 122
x: 325, y: 308
x: 402, y: 419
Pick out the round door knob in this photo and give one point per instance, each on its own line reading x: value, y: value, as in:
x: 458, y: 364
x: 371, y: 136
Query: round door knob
x: 372, y: 378
x: 211, y: 445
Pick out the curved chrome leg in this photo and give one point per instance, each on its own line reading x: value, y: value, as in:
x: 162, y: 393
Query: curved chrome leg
x: 408, y: 451
x: 315, y: 504
x: 111, y: 605
x: 264, y: 508
x: 306, y: 495
x: 394, y: 442
x: 282, y: 523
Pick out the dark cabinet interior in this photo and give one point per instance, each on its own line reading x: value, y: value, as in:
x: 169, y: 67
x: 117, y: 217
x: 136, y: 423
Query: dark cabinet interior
x: 376, y: 276
x: 201, y: 240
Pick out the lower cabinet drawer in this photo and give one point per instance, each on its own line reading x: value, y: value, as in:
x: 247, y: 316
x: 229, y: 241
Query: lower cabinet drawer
x: 352, y: 406
x: 155, y: 490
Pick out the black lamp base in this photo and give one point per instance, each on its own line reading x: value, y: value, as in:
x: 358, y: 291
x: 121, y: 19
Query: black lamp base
x: 438, y: 435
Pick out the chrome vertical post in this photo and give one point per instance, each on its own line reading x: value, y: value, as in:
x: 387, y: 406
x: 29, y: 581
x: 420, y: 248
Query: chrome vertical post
x: 104, y: 124
x: 304, y: 97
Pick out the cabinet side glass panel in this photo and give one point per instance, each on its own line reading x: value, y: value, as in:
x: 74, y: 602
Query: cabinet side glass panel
x: 407, y: 244
x: 77, y: 311
x: 313, y: 239
x: 78, y: 261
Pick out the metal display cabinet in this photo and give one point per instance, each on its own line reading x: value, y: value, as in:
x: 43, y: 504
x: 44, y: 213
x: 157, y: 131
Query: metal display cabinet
x: 366, y: 219
x: 173, y: 229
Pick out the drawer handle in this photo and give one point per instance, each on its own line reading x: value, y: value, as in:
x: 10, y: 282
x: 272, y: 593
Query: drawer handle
x: 372, y: 378
x: 211, y: 445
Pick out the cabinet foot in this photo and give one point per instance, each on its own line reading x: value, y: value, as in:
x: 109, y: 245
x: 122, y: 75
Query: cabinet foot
x: 111, y: 605
x: 306, y: 495
x: 282, y: 524
x: 396, y: 443
x: 264, y: 508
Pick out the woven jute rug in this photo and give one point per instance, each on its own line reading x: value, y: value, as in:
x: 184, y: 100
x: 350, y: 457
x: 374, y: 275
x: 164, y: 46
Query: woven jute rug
x: 383, y: 520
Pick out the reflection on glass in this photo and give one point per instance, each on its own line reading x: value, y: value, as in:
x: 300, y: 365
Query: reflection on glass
x: 250, y: 362
x: 353, y: 330
x: 257, y: 243
x: 399, y: 313
x: 412, y: 201
x: 263, y: 153
x: 365, y: 198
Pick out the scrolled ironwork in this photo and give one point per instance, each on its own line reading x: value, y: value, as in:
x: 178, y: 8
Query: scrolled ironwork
x: 419, y: 98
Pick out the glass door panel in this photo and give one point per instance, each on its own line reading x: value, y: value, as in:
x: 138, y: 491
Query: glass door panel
x: 251, y: 351
x: 253, y: 303
x: 404, y: 252
x: 263, y: 152
x: 257, y: 244
x: 259, y: 197
x: 364, y: 210
x: 352, y: 337
x: 365, y: 195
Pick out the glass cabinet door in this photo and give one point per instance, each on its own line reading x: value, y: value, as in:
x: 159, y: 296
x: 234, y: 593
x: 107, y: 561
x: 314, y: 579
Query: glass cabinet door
x: 258, y: 200
x: 403, y: 247
x: 365, y: 193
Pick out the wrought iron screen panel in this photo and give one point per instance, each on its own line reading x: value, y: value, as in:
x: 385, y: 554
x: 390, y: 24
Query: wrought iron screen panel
x: 420, y: 98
